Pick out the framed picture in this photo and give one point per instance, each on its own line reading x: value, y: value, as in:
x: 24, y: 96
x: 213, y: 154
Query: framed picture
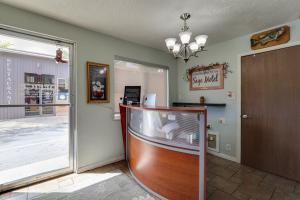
x: 97, y: 83
x: 207, y: 78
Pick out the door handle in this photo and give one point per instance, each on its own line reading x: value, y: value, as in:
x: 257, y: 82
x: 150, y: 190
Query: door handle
x: 244, y: 116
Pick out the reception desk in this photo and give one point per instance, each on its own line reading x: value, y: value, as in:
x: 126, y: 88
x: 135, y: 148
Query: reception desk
x: 165, y: 149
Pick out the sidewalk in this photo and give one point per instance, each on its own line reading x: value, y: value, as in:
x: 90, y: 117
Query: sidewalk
x: 30, y: 146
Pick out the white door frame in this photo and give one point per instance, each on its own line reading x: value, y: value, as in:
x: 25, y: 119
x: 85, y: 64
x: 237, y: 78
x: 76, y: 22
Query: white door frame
x: 239, y: 90
x: 23, y: 33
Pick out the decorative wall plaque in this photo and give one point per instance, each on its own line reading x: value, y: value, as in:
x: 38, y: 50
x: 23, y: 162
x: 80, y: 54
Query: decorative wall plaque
x: 270, y: 38
x: 207, y: 78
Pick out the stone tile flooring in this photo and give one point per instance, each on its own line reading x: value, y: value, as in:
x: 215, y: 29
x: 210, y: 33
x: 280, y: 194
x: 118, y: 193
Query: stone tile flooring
x: 226, y: 180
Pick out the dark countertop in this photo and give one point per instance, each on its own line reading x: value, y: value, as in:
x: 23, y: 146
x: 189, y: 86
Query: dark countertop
x: 186, y: 104
x: 159, y: 108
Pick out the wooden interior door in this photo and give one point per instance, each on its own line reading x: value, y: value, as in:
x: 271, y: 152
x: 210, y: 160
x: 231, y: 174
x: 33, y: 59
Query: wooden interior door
x: 271, y: 112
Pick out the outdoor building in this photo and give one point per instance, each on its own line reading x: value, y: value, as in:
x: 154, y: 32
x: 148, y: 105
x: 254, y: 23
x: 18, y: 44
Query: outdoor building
x: 30, y: 78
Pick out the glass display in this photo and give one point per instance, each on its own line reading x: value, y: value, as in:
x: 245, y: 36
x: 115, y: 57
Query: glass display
x: 177, y: 129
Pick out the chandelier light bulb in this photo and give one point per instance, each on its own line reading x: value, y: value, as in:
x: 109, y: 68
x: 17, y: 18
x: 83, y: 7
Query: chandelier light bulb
x: 193, y: 46
x: 201, y: 40
x: 170, y: 43
x: 185, y: 37
x: 176, y: 48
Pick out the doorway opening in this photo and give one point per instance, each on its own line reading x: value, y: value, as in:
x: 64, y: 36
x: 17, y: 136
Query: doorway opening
x: 36, y: 119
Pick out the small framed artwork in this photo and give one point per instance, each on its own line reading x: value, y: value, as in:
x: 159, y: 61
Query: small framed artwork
x: 97, y: 83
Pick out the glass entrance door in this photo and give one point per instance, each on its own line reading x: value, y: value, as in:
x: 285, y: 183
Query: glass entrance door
x: 35, y: 113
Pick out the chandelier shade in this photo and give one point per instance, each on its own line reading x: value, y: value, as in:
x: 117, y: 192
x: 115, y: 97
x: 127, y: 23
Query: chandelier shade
x: 201, y: 40
x: 185, y: 37
x: 170, y: 43
x: 194, y: 46
x: 185, y: 49
x: 176, y: 48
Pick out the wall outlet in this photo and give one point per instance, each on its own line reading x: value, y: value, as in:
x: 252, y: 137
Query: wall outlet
x: 221, y: 120
x: 230, y: 95
x: 209, y: 126
x: 228, y: 147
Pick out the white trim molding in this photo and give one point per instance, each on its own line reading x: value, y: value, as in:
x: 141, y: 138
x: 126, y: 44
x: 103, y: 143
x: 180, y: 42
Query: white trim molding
x: 222, y: 155
x: 239, y: 90
x: 100, y: 164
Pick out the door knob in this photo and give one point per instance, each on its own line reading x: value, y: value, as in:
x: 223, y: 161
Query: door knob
x: 244, y: 116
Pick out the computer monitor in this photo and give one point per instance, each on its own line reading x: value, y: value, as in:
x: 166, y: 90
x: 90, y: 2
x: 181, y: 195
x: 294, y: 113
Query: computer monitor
x: 132, y: 94
x: 149, y: 100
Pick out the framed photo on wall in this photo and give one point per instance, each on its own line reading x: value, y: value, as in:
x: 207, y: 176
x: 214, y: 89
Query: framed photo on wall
x: 97, y: 83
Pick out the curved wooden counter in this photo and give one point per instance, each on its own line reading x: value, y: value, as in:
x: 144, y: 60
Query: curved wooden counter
x: 169, y: 172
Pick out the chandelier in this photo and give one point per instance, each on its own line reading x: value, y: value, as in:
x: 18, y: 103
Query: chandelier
x: 186, y: 49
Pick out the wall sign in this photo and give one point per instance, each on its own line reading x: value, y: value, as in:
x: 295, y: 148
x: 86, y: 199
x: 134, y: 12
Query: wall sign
x: 207, y: 78
x: 270, y: 38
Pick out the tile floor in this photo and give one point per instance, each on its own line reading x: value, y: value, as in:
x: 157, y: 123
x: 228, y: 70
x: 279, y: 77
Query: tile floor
x: 226, y: 180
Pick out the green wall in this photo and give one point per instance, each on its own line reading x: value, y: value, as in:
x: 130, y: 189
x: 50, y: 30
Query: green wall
x: 99, y: 137
x: 227, y: 51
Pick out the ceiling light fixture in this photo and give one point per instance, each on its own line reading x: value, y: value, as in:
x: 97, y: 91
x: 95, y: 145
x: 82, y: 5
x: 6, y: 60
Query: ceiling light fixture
x: 185, y: 50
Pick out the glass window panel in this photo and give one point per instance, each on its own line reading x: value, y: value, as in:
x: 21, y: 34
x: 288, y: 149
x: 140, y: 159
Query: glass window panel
x: 34, y: 129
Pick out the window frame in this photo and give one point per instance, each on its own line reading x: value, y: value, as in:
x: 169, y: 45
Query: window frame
x: 73, y: 147
x: 116, y: 115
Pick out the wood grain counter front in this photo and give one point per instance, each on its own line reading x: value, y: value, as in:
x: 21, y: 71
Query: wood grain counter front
x: 173, y: 175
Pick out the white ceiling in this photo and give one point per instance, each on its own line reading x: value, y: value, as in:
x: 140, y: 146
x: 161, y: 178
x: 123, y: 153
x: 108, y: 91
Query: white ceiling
x: 149, y: 22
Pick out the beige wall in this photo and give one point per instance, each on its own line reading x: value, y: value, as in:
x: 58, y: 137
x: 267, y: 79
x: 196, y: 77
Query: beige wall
x: 99, y: 137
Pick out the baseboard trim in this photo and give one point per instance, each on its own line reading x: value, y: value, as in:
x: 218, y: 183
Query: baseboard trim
x: 221, y: 155
x: 99, y: 164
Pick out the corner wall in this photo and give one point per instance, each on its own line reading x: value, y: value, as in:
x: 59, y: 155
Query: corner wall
x: 99, y: 137
x: 227, y: 51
